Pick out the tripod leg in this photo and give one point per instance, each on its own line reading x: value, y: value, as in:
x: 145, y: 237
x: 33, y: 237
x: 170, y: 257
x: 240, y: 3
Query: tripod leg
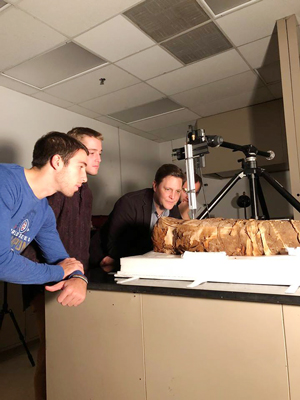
x: 221, y: 194
x: 262, y: 200
x: 21, y: 337
x: 4, y: 308
x: 2, y: 313
x: 280, y: 189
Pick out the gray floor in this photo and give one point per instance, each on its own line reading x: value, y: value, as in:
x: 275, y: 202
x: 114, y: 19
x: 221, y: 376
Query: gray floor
x: 16, y: 374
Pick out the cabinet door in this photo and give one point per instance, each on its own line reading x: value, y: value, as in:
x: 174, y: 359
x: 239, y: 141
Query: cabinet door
x: 213, y: 349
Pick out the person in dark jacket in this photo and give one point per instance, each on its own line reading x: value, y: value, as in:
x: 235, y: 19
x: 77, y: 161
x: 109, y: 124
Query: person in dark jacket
x: 129, y: 226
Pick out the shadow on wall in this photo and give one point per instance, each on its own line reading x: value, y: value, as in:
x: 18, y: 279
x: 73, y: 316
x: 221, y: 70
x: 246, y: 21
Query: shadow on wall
x: 268, y: 125
x: 269, y: 133
x: 8, y: 153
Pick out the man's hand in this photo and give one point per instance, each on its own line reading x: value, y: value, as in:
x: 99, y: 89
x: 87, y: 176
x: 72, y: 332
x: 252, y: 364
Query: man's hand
x: 73, y: 291
x: 70, y: 265
x: 184, y: 210
x: 107, y: 264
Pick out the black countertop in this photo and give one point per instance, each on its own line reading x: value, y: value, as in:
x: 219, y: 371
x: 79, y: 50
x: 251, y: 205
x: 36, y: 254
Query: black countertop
x: 99, y: 280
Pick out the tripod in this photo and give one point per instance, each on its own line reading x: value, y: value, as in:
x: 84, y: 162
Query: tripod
x: 253, y: 173
x: 5, y: 310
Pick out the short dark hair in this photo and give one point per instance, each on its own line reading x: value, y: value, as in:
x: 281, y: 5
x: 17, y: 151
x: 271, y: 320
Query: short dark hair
x: 79, y: 132
x: 168, y: 170
x: 55, y: 143
x: 197, y: 179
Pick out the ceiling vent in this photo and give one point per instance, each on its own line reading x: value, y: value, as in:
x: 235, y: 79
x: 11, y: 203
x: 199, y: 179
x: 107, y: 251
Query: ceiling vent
x: 202, y: 42
x: 146, y: 111
x: 162, y: 19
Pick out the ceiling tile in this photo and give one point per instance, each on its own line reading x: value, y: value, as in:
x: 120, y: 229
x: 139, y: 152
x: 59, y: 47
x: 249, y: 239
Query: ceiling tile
x: 270, y: 73
x: 276, y: 90
x: 83, y: 111
x: 23, y: 37
x: 149, y: 63
x: 197, y: 44
x: 73, y: 17
x: 205, y: 71
x: 221, y: 6
x: 52, y: 100
x: 15, y: 85
x: 87, y: 86
x: 148, y: 136
x: 261, y: 52
x: 245, y: 99
x: 256, y: 21
x: 162, y: 121
x: 123, y: 99
x: 162, y: 19
x: 174, y: 132
x: 56, y: 65
x: 234, y: 85
x: 147, y: 110
x: 115, y: 39
x: 119, y: 124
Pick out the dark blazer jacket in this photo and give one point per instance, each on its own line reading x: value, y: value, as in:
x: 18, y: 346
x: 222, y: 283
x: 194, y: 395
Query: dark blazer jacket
x: 127, y: 230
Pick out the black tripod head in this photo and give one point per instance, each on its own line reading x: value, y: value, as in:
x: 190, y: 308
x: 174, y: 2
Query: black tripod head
x: 249, y: 150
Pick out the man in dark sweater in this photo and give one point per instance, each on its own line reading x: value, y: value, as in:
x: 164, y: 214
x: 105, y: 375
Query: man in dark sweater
x: 129, y: 227
x: 73, y: 218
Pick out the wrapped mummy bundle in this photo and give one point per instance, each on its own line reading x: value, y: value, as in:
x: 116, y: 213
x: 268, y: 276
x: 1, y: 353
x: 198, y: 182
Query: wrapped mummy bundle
x: 236, y: 237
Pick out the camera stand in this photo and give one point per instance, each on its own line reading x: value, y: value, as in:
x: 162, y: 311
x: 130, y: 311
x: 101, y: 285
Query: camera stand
x: 200, y: 143
x: 5, y: 310
x: 253, y: 173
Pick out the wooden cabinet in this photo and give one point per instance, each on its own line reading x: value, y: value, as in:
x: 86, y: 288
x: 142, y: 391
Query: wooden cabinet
x: 120, y: 345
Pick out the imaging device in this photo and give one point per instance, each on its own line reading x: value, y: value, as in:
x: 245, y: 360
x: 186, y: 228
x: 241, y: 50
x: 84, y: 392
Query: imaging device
x: 194, y: 152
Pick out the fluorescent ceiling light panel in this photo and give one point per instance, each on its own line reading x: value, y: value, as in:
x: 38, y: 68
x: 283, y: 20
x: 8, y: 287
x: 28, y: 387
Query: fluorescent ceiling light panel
x: 202, y: 42
x: 162, y: 19
x: 55, y: 66
x: 148, y: 110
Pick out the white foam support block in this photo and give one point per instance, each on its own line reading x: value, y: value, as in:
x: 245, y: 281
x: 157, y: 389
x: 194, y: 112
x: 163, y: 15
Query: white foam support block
x: 215, y: 267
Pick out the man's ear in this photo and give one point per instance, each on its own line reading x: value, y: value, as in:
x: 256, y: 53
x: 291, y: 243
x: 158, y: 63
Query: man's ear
x: 154, y: 186
x: 56, y: 162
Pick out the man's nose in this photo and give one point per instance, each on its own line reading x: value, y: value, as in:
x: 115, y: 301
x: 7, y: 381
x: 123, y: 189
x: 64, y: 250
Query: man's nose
x: 84, y: 176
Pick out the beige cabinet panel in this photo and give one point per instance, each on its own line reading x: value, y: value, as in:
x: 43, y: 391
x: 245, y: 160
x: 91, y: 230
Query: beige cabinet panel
x: 95, y: 351
x: 211, y: 349
x: 291, y: 315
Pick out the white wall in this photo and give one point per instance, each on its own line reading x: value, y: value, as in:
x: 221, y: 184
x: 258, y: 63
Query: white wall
x: 129, y: 162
